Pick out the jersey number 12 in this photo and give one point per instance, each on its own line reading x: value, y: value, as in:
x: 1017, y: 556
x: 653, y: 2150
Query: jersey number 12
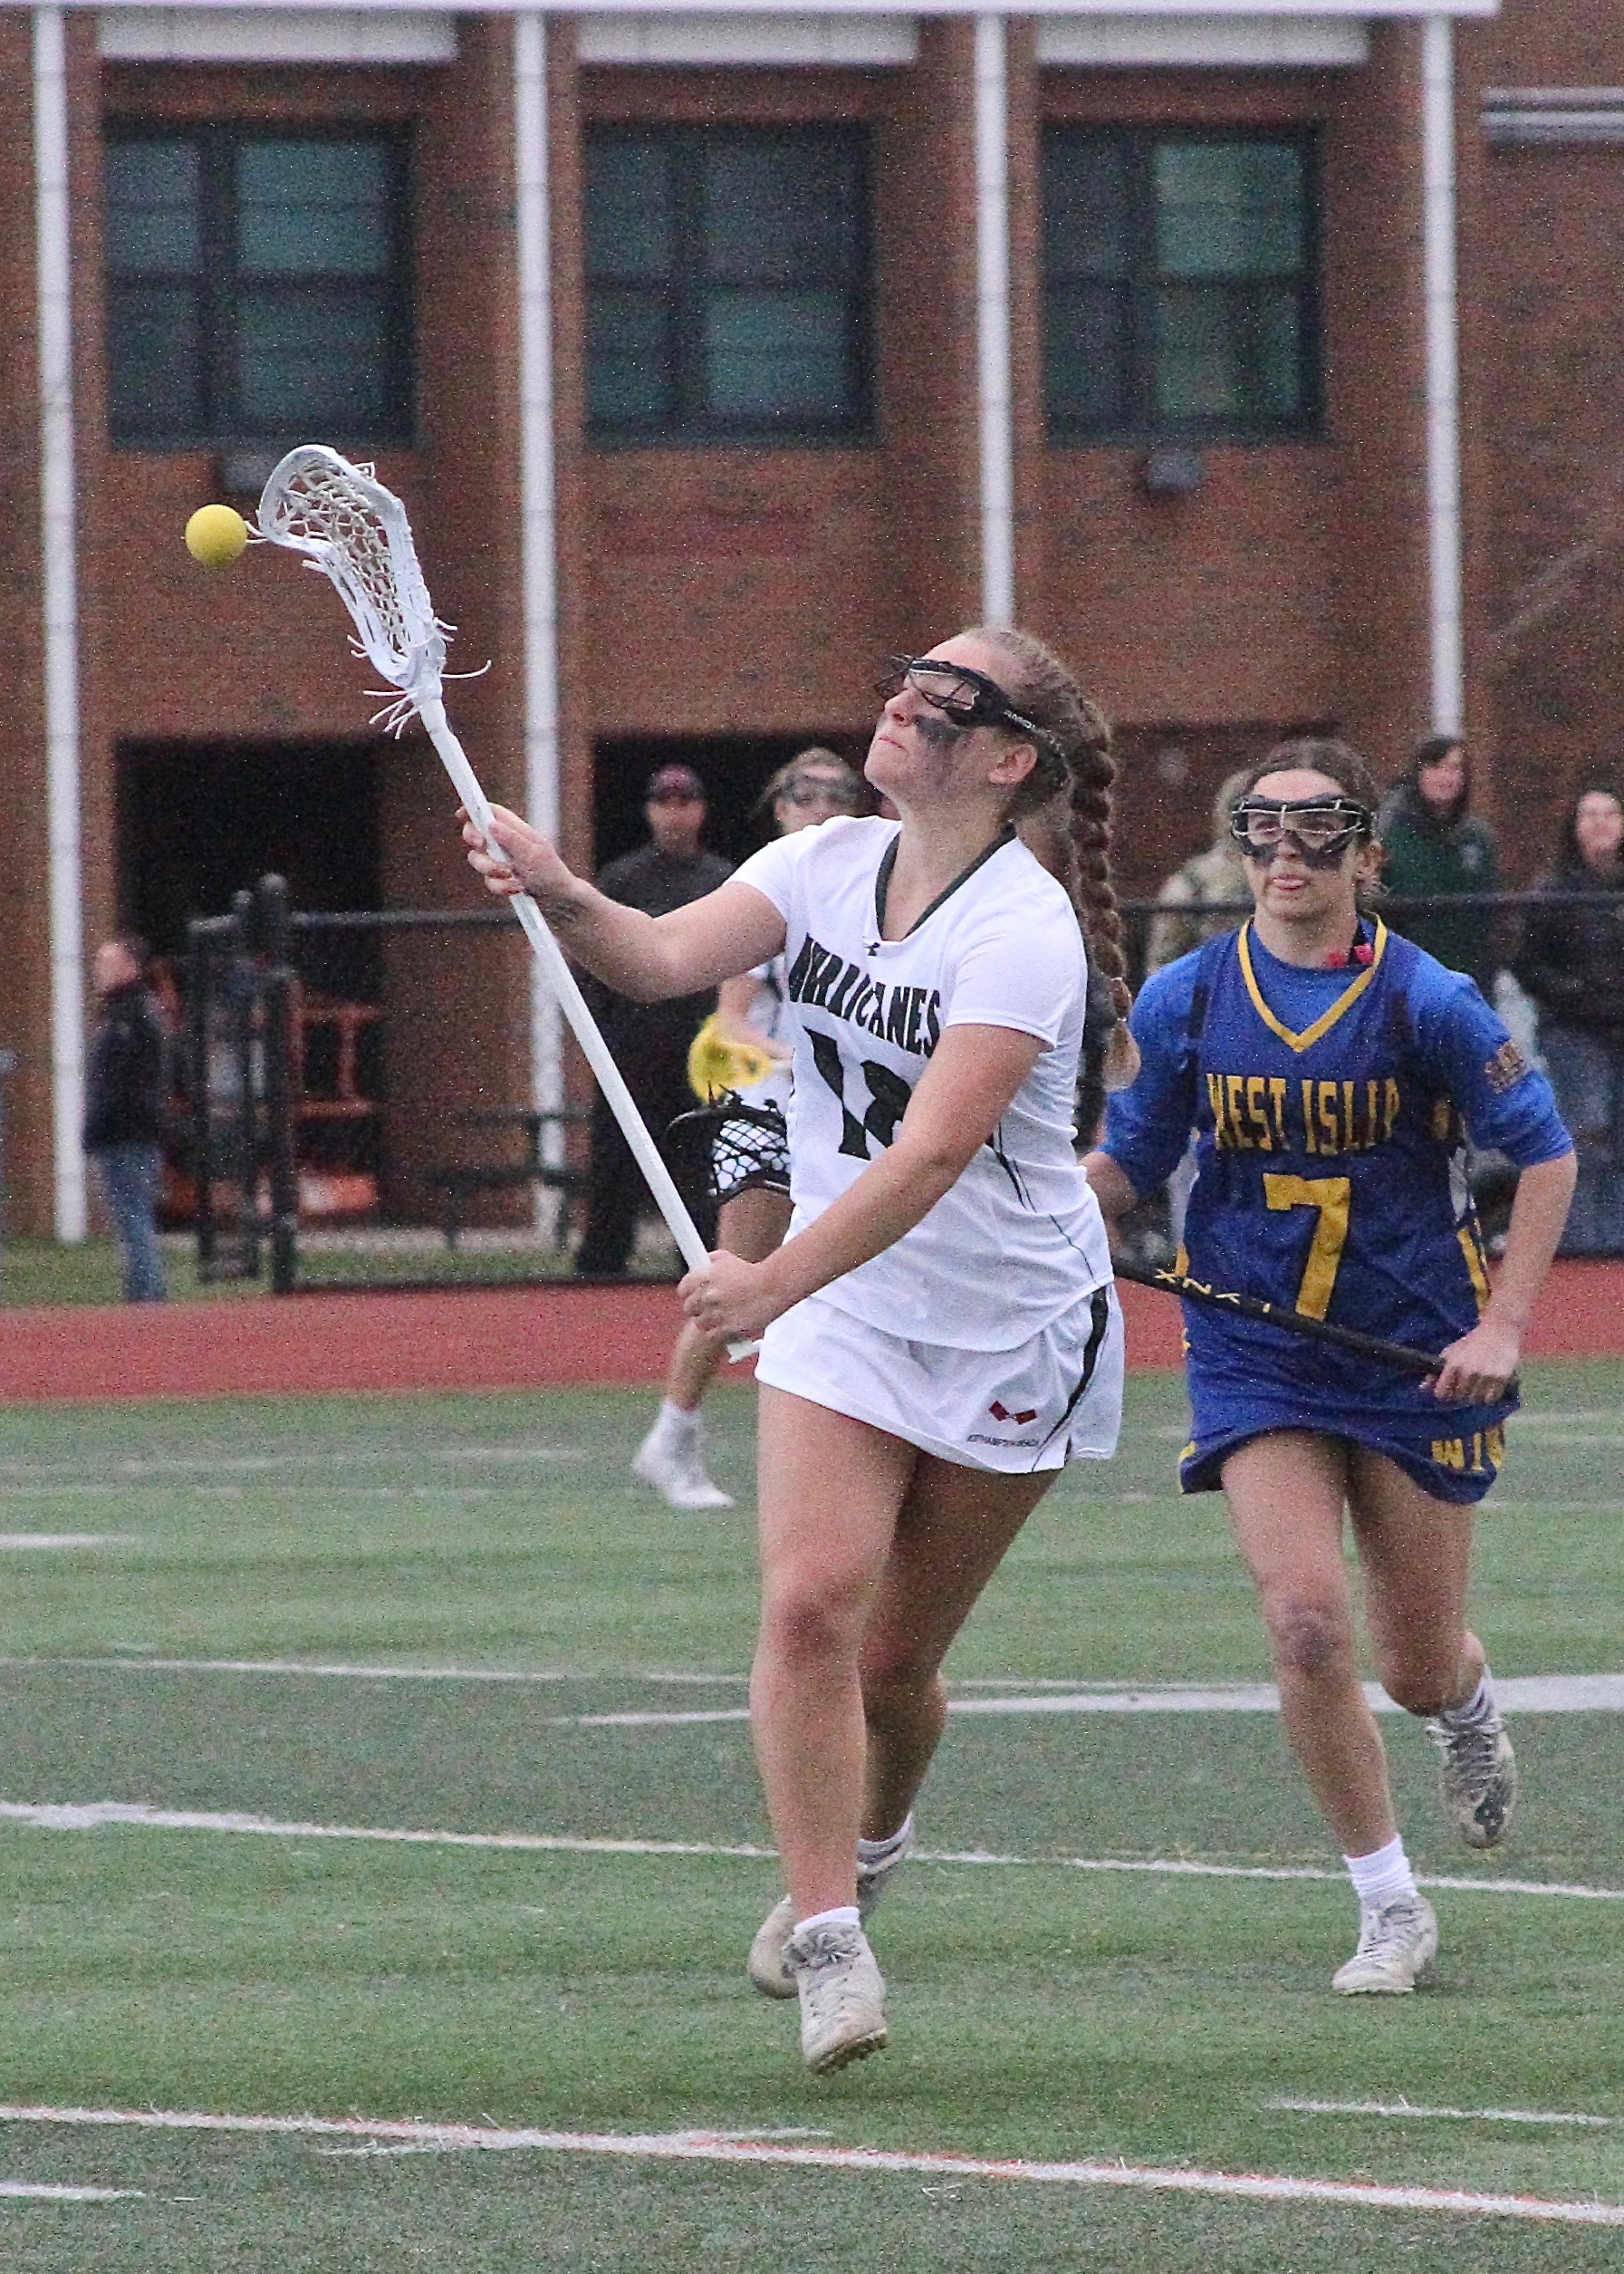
x: 888, y: 1096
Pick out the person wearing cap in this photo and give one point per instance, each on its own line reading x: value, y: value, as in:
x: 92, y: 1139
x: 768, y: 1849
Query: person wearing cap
x: 753, y: 1008
x: 649, y: 1040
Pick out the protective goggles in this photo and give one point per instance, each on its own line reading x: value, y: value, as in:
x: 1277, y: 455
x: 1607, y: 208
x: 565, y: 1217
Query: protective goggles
x: 1318, y: 829
x: 969, y: 699
x: 822, y: 789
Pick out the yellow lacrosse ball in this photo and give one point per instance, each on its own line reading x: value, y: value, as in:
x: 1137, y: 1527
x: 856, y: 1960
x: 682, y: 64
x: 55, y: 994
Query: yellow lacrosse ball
x: 215, y: 536
x: 715, y: 1064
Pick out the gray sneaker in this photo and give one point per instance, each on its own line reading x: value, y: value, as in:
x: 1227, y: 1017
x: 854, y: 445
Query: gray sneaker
x: 842, y: 1996
x: 768, y: 1965
x: 1397, y: 1946
x: 1478, y: 1779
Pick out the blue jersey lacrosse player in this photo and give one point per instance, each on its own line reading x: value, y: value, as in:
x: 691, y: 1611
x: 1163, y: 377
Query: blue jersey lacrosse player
x: 1332, y: 1073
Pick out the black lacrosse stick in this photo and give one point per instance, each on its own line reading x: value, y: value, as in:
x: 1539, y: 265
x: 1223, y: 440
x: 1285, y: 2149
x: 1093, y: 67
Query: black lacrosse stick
x: 728, y: 1147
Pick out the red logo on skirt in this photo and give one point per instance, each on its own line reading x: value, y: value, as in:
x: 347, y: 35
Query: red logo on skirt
x: 1001, y: 1412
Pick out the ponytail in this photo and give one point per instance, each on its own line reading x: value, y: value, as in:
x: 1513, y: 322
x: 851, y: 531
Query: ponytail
x: 1063, y: 811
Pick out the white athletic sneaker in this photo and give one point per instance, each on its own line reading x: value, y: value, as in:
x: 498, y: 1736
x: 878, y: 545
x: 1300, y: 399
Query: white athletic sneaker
x: 769, y: 1962
x: 676, y: 1468
x: 1396, y: 1945
x: 1478, y: 1779
x: 843, y: 1996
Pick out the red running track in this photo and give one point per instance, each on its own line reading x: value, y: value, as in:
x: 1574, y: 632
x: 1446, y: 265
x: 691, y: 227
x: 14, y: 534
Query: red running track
x: 507, y: 1338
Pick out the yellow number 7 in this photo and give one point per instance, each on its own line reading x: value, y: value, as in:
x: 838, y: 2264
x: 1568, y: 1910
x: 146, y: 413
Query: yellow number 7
x: 1329, y: 1196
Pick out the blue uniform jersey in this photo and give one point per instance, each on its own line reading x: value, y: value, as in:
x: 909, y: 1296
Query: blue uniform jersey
x: 1331, y: 1109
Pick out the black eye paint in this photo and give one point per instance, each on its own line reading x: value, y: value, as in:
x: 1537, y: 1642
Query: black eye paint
x: 1311, y: 857
x: 938, y: 733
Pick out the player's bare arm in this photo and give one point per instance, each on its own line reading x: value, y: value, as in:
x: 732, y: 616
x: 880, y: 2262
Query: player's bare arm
x: 734, y: 1003
x: 970, y: 1082
x: 1111, y: 1185
x: 1477, y: 1368
x: 648, y: 957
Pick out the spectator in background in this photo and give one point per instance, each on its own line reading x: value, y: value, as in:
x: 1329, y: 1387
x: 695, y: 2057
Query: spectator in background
x: 649, y: 1040
x: 1434, y: 845
x: 1572, y: 962
x: 753, y: 1009
x: 126, y: 1090
x: 1211, y: 879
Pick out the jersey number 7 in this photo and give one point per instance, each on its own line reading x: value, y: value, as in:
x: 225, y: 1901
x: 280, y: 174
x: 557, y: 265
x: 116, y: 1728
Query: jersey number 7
x: 1330, y: 1197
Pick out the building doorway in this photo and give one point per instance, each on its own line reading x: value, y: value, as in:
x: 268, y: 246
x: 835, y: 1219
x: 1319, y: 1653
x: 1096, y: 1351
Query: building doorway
x: 199, y: 822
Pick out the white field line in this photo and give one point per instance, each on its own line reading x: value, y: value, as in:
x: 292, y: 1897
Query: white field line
x: 96, y: 1816
x: 461, y: 2147
x: 711, y: 2147
x: 266, y: 1464
x: 342, y: 1672
x: 1529, y: 1693
x: 14, y: 2187
x: 67, y: 1539
x: 1464, y: 2115
x: 1524, y: 1693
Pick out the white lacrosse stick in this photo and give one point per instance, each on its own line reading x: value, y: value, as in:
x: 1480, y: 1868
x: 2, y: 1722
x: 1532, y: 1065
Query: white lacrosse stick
x: 355, y: 531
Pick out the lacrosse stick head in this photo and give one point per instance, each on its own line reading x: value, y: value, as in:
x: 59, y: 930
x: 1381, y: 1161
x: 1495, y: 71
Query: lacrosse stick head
x: 348, y: 525
x: 730, y: 1147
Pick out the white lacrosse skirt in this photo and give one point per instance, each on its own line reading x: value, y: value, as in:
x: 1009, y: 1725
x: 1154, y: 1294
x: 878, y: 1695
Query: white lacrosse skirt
x: 1057, y: 1398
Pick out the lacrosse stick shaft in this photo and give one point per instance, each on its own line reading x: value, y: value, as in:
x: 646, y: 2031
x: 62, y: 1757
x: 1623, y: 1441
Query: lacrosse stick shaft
x: 353, y: 530
x: 582, y: 1025
x: 1318, y: 1330
x: 562, y: 979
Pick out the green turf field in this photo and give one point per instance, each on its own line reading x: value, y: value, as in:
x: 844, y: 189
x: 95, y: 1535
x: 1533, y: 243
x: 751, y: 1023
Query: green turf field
x: 1148, y: 2019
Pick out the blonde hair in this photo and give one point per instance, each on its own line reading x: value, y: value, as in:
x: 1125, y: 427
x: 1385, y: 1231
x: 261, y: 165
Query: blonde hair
x: 816, y: 758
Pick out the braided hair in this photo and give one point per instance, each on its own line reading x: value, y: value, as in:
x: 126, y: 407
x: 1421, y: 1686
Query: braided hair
x: 1063, y: 810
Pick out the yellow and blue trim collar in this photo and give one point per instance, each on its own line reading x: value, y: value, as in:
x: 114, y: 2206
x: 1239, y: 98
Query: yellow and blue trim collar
x: 1327, y: 1018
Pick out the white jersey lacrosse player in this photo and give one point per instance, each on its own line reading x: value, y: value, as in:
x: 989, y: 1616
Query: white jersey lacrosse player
x: 938, y: 1332
x: 769, y: 1017
x: 988, y: 1333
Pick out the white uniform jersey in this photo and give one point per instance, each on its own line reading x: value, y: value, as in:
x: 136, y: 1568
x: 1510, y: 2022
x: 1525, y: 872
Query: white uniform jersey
x: 1019, y: 1238
x: 769, y: 1015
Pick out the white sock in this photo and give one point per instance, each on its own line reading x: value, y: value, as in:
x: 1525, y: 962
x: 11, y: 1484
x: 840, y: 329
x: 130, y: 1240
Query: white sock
x: 1382, y: 1877
x: 674, y: 1424
x: 844, y: 1916
x: 875, y: 1852
x: 1477, y: 1711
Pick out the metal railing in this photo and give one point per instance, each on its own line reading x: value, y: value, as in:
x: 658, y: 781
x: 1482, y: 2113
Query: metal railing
x: 242, y: 1058
x: 1139, y: 915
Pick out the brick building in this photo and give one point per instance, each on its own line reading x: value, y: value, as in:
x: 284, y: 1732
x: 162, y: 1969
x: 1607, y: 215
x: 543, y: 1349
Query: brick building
x: 716, y: 353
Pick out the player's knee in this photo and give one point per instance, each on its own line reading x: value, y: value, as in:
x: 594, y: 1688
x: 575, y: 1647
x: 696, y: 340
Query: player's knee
x: 1419, y: 1685
x: 1308, y: 1637
x: 811, y: 1623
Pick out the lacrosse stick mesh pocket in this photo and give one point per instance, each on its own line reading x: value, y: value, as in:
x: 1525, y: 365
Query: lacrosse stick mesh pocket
x: 730, y: 1148
x: 355, y: 531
